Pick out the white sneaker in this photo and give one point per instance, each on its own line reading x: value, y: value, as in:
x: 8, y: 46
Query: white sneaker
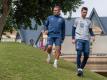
x: 80, y: 72
x: 79, y: 69
x: 55, y: 63
x: 55, y: 66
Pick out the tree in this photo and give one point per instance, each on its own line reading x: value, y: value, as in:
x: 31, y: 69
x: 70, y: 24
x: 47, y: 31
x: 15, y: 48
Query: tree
x: 0, y: 7
x: 18, y: 12
x: 40, y: 9
x: 4, y: 14
x: 10, y: 24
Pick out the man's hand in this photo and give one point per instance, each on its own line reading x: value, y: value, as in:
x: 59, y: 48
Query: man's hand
x: 73, y: 41
x: 46, y: 32
x: 93, y: 38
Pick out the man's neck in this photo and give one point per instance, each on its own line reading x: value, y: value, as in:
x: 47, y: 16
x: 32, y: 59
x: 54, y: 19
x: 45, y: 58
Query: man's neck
x: 56, y: 15
x: 83, y: 17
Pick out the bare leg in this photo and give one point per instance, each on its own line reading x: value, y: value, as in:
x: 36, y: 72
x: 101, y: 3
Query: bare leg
x: 49, y: 50
x: 57, y: 54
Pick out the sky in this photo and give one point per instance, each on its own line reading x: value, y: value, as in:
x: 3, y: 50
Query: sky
x: 99, y: 5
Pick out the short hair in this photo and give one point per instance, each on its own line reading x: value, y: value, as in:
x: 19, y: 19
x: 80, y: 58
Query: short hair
x: 56, y: 6
x: 84, y: 8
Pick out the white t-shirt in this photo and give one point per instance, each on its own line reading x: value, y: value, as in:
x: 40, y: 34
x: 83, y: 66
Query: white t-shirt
x: 82, y: 28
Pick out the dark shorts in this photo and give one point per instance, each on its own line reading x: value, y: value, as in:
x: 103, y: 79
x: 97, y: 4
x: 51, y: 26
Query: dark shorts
x: 54, y: 40
x: 83, y: 45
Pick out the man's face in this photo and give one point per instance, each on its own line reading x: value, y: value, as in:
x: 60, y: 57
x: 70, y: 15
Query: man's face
x: 56, y: 11
x: 84, y: 13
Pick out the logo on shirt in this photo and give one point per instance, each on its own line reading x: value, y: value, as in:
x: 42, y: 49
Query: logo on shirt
x: 59, y: 20
x: 81, y: 25
x: 52, y: 18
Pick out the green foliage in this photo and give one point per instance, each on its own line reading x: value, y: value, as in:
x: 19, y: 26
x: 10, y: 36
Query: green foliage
x: 22, y: 11
x: 40, y: 9
x: 0, y: 7
x: 10, y: 24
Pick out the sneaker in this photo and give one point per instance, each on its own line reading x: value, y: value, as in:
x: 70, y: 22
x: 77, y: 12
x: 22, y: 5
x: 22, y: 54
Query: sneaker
x: 55, y: 66
x: 80, y: 73
x: 55, y: 63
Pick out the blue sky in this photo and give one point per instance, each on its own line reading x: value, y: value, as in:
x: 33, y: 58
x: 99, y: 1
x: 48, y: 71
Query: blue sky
x: 99, y: 5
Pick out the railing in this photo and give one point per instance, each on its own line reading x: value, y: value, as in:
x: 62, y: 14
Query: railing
x: 96, y: 63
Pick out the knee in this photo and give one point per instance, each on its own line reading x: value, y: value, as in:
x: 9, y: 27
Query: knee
x: 79, y: 52
x: 57, y: 50
x: 49, y: 49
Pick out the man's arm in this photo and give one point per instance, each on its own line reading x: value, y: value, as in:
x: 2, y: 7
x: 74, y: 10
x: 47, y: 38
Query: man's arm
x: 63, y: 30
x: 73, y: 34
x: 73, y: 31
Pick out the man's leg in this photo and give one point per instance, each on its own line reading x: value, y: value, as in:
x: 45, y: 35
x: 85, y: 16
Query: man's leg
x: 49, y: 49
x: 84, y: 60
x: 79, y: 48
x: 57, y: 54
x: 79, y: 71
x: 86, y: 52
x: 79, y: 54
x: 57, y: 51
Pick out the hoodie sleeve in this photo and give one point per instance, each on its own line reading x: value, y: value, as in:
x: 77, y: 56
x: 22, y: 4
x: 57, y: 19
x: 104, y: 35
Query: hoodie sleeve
x: 74, y: 29
x: 73, y: 32
x: 63, y: 30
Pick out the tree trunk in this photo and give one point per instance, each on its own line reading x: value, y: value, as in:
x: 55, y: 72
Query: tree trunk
x: 4, y: 15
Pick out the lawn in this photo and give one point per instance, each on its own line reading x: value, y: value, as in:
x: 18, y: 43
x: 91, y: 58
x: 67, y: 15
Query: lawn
x: 22, y: 62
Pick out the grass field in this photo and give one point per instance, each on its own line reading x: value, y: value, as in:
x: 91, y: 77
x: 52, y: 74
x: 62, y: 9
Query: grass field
x: 21, y: 62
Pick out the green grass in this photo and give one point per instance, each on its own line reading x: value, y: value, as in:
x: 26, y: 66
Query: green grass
x: 21, y: 62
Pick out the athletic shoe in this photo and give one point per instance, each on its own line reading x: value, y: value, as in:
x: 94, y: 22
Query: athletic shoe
x: 80, y: 72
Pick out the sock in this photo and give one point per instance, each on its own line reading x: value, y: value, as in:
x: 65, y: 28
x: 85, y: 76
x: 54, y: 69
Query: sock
x: 55, y: 61
x: 49, y: 56
x: 79, y: 69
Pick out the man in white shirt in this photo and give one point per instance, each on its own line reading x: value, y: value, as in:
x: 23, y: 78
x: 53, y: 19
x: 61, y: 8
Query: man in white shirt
x: 81, y: 35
